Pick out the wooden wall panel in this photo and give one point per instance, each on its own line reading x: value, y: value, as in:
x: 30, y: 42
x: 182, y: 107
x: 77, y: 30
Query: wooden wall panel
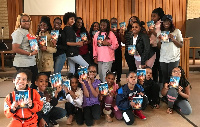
x: 94, y: 10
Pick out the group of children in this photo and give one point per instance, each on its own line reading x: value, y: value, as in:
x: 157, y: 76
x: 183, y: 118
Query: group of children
x: 85, y: 102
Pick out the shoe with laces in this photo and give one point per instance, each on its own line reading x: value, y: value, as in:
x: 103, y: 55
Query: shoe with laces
x: 139, y: 114
x: 54, y: 123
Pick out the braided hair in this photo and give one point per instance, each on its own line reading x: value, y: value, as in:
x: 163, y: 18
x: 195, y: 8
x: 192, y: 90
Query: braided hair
x: 83, y: 29
x: 91, y: 28
x: 107, y: 29
x: 183, y: 81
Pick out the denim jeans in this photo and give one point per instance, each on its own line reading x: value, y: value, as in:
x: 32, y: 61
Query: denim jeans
x: 59, y: 62
x: 76, y: 59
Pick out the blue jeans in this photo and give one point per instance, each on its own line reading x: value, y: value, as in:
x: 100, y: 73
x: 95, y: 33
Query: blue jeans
x: 76, y: 59
x: 59, y: 62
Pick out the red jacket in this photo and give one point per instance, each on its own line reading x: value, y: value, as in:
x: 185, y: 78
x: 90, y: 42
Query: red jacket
x: 23, y: 112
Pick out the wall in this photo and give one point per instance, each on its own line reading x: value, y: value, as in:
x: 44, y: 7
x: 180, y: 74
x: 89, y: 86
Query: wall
x: 4, y: 19
x: 94, y: 10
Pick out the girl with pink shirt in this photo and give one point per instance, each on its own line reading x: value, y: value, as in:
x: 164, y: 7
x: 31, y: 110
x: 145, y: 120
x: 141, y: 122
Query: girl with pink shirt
x: 104, y: 54
x: 108, y: 101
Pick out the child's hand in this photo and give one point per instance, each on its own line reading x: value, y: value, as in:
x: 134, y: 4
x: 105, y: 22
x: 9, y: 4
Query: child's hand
x: 159, y: 37
x: 180, y: 89
x: 166, y: 86
x: 111, y: 94
x: 142, y: 94
x: 43, y: 48
x: 54, y: 41
x: 14, y: 106
x: 34, y: 52
x: 132, y: 103
x: 29, y: 102
x: 65, y: 89
x: 80, y: 43
x: 58, y: 88
x: 81, y: 81
x: 42, y: 123
x: 100, y: 97
x: 106, y: 43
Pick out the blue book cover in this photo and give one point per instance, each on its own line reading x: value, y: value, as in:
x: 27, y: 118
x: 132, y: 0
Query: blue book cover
x: 43, y: 40
x: 122, y: 25
x: 103, y: 88
x: 165, y: 36
x: 67, y: 84
x: 141, y: 73
x: 54, y: 34
x: 78, y: 39
x: 131, y: 49
x: 114, y: 26
x: 21, y: 97
x: 94, y: 32
x: 100, y: 38
x: 138, y: 102
x: 83, y: 72
x: 174, y: 81
x: 34, y: 44
x: 83, y: 36
x: 56, y: 80
x: 150, y: 24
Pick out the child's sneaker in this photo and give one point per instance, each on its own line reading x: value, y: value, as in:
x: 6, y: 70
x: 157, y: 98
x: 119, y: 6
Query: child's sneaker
x: 54, y: 123
x: 138, y: 113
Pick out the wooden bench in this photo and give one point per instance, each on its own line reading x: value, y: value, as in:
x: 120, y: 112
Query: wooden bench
x: 193, y: 56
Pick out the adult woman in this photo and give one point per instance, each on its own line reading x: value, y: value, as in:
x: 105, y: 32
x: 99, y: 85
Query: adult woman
x: 24, y: 58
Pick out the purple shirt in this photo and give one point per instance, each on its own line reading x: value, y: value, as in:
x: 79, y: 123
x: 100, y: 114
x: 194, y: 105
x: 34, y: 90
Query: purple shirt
x: 91, y: 100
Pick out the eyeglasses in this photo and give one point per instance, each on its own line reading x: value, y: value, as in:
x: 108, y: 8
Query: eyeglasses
x: 26, y: 21
x: 92, y: 71
x: 174, y: 71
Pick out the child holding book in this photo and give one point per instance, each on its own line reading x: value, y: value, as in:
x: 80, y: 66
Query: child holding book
x: 24, y: 58
x: 178, y: 97
x: 108, y: 101
x: 104, y: 55
x: 91, y: 104
x: 69, y: 39
x: 22, y: 116
x: 151, y: 89
x: 74, y: 98
x: 125, y: 96
x: 156, y: 17
x: 146, y: 55
x: 45, y: 57
x: 49, y: 113
x: 170, y: 50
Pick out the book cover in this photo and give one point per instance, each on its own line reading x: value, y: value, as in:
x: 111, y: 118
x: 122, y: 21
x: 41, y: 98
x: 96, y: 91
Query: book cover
x: 67, y: 84
x: 103, y: 88
x: 131, y: 49
x: 43, y: 40
x: 30, y: 37
x: 150, y: 24
x: 56, y: 80
x: 122, y: 25
x: 94, y: 32
x: 83, y: 36
x: 78, y: 39
x: 34, y: 44
x: 54, y: 34
x: 100, y: 38
x: 21, y: 97
x: 164, y: 36
x: 83, y: 72
x: 174, y: 81
x: 114, y: 26
x: 138, y: 102
x: 141, y: 73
